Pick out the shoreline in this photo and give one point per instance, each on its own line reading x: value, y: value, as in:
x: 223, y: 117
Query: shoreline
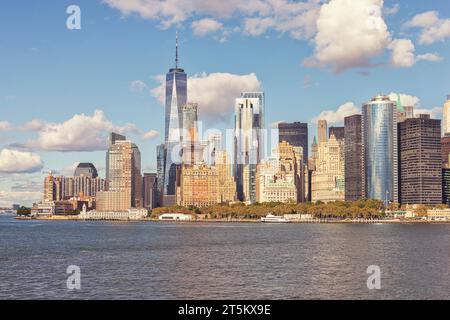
x: 248, y: 221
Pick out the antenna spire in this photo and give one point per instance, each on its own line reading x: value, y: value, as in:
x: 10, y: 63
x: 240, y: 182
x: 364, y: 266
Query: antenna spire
x: 176, y: 52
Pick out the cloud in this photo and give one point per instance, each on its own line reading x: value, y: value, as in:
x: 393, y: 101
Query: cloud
x: 33, y: 125
x: 349, y: 34
x: 337, y: 117
x: 433, y: 28
x: 14, y: 161
x: 391, y: 10
x: 149, y: 135
x: 5, y: 126
x: 8, y: 198
x: 206, y: 26
x: 80, y: 133
x: 435, y: 112
x: 406, y: 99
x: 403, y: 54
x: 295, y: 17
x: 138, y: 86
x: 215, y: 92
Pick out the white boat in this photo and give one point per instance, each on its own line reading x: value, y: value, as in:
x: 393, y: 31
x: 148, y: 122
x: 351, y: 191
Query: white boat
x: 274, y: 219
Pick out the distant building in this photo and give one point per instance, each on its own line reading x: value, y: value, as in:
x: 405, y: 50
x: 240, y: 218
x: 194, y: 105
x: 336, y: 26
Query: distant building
x: 446, y: 117
x: 338, y: 132
x: 124, y: 180
x: 226, y: 182
x: 296, y: 134
x: 199, y: 186
x: 353, y: 158
x: 86, y: 170
x: 380, y: 150
x: 249, y: 144
x: 175, y: 217
x: 446, y: 185
x: 327, y: 181
x: 445, y: 145
x: 49, y: 208
x: 280, y: 179
x: 322, y: 129
x: 149, y: 190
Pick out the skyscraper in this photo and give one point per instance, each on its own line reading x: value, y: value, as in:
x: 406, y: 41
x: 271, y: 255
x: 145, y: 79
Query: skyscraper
x: 296, y: 134
x: 248, y: 143
x: 338, y: 132
x: 353, y: 158
x: 124, y: 180
x: 380, y: 153
x: 86, y: 169
x: 176, y: 98
x: 190, y: 119
x: 149, y: 190
x: 420, y: 164
x: 322, y: 130
x: 446, y: 117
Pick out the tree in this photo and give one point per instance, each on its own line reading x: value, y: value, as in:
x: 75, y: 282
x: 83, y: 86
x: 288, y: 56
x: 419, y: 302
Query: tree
x: 23, y: 211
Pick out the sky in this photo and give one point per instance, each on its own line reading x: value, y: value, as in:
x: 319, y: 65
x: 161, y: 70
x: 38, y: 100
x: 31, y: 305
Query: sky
x: 62, y: 89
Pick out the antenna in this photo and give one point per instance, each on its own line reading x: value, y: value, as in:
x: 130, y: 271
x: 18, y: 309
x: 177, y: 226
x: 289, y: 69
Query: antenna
x: 176, y: 52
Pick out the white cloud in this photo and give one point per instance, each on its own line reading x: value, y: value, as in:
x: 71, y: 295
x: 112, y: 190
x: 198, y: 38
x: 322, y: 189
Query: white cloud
x: 350, y: 33
x: 391, y: 10
x: 429, y: 57
x: 206, y: 26
x: 402, y: 53
x: 406, y: 99
x: 138, y: 86
x: 5, y: 126
x: 337, y: 117
x: 80, y: 133
x: 33, y: 125
x: 295, y: 17
x: 433, y: 28
x: 150, y: 135
x: 14, y: 161
x: 8, y: 198
x: 215, y: 93
x: 435, y: 112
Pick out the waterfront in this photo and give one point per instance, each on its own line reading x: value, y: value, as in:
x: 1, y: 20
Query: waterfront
x: 147, y: 260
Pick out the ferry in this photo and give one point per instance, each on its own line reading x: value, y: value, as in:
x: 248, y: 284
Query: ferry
x: 274, y: 219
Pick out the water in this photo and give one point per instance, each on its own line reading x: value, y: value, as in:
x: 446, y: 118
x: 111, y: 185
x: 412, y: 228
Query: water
x: 222, y: 261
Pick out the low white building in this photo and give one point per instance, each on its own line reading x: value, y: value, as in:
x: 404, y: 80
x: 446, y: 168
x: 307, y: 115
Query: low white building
x: 130, y: 214
x: 175, y: 217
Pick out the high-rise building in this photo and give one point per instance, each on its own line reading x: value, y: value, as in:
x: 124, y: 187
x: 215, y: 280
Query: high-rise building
x: 327, y: 181
x: 403, y: 112
x: 124, y: 180
x: 338, y: 132
x: 280, y: 178
x: 322, y: 130
x: 353, y: 158
x: 199, y: 186
x: 446, y: 185
x: 149, y: 186
x: 226, y: 182
x: 296, y: 134
x: 160, y: 165
x: 380, y: 152
x: 86, y: 169
x: 420, y: 163
x: 446, y: 117
x: 248, y: 144
x: 190, y: 119
x: 445, y: 144
x: 176, y: 98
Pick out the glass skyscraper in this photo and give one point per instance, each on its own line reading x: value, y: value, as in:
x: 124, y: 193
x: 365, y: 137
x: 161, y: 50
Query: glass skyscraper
x: 176, y: 98
x: 380, y: 153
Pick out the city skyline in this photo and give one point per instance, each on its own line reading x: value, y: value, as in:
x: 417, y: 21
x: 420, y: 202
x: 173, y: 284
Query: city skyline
x: 33, y: 128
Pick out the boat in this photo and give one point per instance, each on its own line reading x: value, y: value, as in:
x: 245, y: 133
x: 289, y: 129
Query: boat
x: 274, y: 219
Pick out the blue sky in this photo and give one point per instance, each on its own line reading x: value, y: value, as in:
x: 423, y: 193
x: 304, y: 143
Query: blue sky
x: 310, y: 57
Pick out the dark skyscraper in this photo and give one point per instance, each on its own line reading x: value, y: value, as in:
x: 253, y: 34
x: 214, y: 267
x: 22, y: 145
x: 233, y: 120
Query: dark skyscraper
x: 353, y: 158
x: 420, y: 163
x: 338, y: 132
x: 149, y: 190
x: 86, y: 170
x: 445, y: 143
x: 296, y: 134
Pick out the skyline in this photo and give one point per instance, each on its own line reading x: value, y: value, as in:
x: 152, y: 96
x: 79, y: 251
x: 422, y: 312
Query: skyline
x: 41, y: 109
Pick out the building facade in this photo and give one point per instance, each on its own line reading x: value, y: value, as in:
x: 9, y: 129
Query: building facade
x: 353, y: 158
x: 199, y: 186
x: 338, y: 132
x: 446, y: 117
x: 322, y: 129
x: 380, y: 150
x: 86, y: 169
x: 296, y: 134
x: 420, y: 164
x: 149, y: 187
x: 248, y: 143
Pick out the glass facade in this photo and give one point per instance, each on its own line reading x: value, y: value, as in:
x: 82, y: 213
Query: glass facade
x: 379, y: 127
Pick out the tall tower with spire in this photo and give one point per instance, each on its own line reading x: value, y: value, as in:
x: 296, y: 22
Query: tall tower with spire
x: 176, y: 98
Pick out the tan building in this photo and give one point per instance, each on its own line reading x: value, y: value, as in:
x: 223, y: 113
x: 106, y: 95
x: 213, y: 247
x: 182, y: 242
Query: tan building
x: 227, y: 184
x: 322, y: 128
x: 199, y: 186
x: 281, y: 178
x: 446, y: 117
x: 327, y: 181
x: 123, y: 174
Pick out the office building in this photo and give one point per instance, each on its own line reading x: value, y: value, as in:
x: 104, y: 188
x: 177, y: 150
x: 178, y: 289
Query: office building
x: 353, y: 158
x: 86, y: 170
x: 446, y: 117
x: 149, y: 188
x: 380, y: 152
x: 420, y: 163
x: 337, y: 132
x: 296, y: 134
x: 322, y: 129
